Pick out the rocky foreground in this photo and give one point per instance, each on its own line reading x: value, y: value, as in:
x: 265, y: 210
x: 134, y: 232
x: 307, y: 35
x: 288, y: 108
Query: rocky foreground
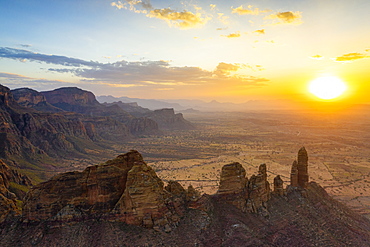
x: 123, y: 203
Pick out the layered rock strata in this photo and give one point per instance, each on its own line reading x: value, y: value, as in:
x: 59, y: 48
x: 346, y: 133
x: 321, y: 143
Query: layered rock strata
x: 299, y: 172
x: 124, y: 189
x: 12, y: 186
x: 252, y: 195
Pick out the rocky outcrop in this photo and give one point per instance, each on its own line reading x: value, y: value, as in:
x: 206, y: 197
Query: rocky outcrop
x: 125, y: 189
x: 278, y: 186
x: 248, y: 195
x: 143, y: 125
x: 259, y: 191
x: 232, y: 179
x: 84, y: 102
x: 302, y: 167
x: 32, y: 99
x: 13, y: 187
x: 294, y: 174
x: 299, y: 172
x: 27, y: 133
x: 167, y: 119
x: 70, y: 98
x: 252, y: 195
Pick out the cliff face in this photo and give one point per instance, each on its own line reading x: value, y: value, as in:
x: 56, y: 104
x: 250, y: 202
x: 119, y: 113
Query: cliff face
x: 84, y: 102
x: 167, y: 119
x: 121, y: 201
x: 70, y: 96
x: 12, y: 188
x: 124, y: 189
x: 32, y: 99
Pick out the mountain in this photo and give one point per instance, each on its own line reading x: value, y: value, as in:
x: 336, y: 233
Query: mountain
x: 84, y: 102
x: 32, y: 140
x: 151, y: 104
x: 181, y: 105
x: 123, y: 202
x: 166, y: 118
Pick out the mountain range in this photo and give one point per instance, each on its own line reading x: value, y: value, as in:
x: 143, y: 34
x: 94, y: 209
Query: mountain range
x: 181, y: 105
x: 38, y: 128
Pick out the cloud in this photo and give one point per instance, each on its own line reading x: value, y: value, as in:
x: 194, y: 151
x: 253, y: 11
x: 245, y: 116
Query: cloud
x: 22, y: 55
x: 317, y: 57
x: 288, y: 17
x: 223, y: 18
x: 350, y: 57
x: 261, y: 31
x: 16, y: 80
x: 249, y: 11
x: 232, y: 35
x: 130, y: 74
x: 25, y: 45
x: 131, y: 5
x: 224, y: 69
x: 182, y: 19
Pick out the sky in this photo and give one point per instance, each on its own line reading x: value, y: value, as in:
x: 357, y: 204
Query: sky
x: 232, y: 51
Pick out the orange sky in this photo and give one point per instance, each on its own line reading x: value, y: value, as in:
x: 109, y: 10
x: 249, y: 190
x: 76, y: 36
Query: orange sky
x: 212, y: 50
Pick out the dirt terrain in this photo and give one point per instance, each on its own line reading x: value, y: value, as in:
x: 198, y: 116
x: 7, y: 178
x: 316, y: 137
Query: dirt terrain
x: 337, y: 144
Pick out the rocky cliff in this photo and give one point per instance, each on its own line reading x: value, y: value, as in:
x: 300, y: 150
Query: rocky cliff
x: 121, y: 201
x: 167, y: 119
x: 84, y: 102
x: 13, y: 187
x: 32, y: 99
x: 124, y: 189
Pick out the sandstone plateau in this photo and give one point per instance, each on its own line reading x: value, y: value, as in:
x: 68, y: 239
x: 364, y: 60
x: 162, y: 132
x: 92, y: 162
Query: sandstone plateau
x: 123, y: 202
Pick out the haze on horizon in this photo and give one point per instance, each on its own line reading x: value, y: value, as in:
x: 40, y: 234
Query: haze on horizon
x: 211, y: 50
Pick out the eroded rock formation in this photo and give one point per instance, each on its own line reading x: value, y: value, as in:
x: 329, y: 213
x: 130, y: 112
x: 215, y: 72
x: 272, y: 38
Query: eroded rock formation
x: 12, y: 189
x: 123, y: 189
x: 299, y: 172
x: 302, y: 167
x: 252, y: 195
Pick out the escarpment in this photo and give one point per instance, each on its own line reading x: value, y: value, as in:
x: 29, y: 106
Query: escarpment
x: 124, y: 189
x: 120, y: 201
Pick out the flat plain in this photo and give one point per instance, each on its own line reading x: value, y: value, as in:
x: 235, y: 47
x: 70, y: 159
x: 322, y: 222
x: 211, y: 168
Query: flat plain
x: 337, y: 144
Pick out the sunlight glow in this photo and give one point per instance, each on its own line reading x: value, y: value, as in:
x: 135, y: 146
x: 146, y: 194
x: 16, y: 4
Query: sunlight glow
x: 327, y: 87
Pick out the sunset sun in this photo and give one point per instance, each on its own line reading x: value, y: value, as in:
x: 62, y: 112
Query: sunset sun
x: 327, y: 87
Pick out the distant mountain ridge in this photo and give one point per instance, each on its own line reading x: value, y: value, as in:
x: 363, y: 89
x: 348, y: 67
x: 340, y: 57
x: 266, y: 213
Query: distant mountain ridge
x: 182, y: 105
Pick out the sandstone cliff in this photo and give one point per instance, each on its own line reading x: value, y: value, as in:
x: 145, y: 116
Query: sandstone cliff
x: 13, y: 187
x: 121, y: 201
x: 32, y: 99
x: 84, y: 102
x: 124, y: 189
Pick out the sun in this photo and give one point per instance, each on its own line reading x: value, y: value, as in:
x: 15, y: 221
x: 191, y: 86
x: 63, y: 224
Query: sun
x: 327, y: 87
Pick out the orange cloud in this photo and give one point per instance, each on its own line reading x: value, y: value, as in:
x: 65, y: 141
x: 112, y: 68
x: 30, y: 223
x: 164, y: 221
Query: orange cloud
x: 350, y: 57
x: 288, y: 17
x: 242, y: 11
x: 225, y: 69
x: 184, y: 19
x: 317, y: 57
x: 232, y: 35
x: 261, y: 31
